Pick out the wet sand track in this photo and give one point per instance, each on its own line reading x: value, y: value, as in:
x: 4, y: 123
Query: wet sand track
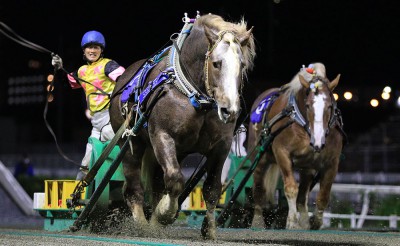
x: 176, y: 235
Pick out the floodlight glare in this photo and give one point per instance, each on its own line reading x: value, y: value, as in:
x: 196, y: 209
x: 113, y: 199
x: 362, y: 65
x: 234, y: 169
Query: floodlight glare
x: 385, y: 95
x: 374, y: 103
x: 387, y: 89
x: 336, y: 96
x: 348, y: 95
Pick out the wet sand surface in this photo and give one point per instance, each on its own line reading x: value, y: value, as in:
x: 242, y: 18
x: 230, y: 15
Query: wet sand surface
x: 17, y: 229
x: 178, y: 235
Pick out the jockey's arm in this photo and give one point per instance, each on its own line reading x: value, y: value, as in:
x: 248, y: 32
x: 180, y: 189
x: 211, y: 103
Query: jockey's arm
x: 113, y: 70
x: 72, y: 81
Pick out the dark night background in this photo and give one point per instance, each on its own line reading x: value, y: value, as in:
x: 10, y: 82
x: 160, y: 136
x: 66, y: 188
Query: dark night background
x: 358, y: 39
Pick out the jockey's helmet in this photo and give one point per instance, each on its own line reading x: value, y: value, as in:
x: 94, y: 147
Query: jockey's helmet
x: 93, y: 37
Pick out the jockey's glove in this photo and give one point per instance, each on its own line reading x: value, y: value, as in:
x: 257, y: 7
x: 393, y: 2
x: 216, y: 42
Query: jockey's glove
x: 83, y: 171
x: 56, y: 61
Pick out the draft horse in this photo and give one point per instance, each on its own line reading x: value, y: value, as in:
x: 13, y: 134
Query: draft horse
x: 194, y: 111
x: 306, y: 129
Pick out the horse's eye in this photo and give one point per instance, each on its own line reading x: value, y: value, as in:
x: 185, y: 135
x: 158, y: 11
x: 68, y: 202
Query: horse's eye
x: 217, y: 64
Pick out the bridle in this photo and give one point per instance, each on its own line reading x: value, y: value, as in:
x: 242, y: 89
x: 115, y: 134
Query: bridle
x: 208, y: 55
x: 315, y: 85
x: 198, y: 99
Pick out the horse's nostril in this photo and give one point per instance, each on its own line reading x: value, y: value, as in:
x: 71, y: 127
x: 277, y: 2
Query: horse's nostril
x: 224, y: 114
x: 225, y: 111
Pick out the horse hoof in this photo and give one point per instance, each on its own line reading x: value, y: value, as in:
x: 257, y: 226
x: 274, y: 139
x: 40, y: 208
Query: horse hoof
x: 208, y: 230
x: 162, y: 220
x: 293, y: 226
x: 258, y: 222
x: 315, y: 224
x: 304, y: 226
x: 208, y: 234
x: 74, y: 228
x: 304, y: 223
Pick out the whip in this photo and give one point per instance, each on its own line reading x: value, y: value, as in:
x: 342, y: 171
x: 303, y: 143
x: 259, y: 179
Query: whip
x: 9, y: 33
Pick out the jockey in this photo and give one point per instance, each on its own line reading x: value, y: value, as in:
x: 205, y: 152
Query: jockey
x: 97, y: 78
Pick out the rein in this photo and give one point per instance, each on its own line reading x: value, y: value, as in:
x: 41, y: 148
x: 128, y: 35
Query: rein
x: 122, y: 132
x: 9, y: 33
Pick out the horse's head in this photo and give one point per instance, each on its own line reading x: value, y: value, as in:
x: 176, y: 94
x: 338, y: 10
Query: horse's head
x: 225, y: 66
x: 320, y: 108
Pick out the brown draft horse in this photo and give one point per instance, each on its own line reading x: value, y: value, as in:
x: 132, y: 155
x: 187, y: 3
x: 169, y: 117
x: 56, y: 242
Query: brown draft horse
x: 309, y: 139
x: 214, y: 58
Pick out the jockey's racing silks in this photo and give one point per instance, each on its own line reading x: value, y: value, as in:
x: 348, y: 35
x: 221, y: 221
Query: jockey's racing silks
x: 95, y: 73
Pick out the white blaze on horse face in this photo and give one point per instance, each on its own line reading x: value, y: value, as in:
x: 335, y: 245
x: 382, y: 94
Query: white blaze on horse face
x: 228, y: 53
x: 318, y: 131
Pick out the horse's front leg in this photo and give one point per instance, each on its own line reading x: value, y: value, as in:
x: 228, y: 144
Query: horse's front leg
x: 212, y: 191
x: 327, y: 179
x: 261, y: 201
x: 133, y: 190
x: 290, y: 184
x: 165, y: 152
x: 306, y: 178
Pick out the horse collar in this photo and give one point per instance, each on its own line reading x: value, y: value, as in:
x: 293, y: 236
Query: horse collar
x: 299, y: 118
x: 198, y: 99
x: 296, y: 114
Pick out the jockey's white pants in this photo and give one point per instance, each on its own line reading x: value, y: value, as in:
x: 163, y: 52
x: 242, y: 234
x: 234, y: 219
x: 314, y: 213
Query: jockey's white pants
x: 101, y: 130
x: 237, y: 149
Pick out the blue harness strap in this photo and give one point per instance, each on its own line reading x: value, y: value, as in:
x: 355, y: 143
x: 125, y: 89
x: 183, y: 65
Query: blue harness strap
x: 161, y: 78
x: 130, y: 86
x: 257, y: 114
x: 138, y: 80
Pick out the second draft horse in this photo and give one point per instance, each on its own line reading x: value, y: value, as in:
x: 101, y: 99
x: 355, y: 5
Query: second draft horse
x: 307, y: 131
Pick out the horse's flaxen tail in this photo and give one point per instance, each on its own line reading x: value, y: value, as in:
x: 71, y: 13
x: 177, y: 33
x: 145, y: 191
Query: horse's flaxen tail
x: 270, y: 182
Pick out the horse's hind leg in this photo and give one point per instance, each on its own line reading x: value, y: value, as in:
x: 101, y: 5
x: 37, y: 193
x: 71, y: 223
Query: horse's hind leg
x: 133, y: 190
x: 152, y: 181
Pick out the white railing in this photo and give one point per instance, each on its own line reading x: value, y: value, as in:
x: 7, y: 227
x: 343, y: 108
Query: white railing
x: 357, y: 220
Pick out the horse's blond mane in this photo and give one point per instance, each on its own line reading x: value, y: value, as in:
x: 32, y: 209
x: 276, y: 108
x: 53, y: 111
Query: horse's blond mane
x: 217, y: 24
x: 294, y: 85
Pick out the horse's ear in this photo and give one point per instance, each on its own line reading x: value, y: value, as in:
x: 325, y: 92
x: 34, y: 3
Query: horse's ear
x: 334, y: 83
x: 304, y: 82
x: 245, y: 37
x: 211, y: 36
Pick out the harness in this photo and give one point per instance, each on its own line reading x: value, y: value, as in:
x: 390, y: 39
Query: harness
x: 175, y: 73
x: 293, y: 112
x: 198, y: 99
x: 134, y: 91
